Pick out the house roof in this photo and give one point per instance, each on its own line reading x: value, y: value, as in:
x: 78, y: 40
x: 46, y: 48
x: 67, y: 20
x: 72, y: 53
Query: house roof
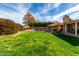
x: 56, y: 24
x: 73, y: 21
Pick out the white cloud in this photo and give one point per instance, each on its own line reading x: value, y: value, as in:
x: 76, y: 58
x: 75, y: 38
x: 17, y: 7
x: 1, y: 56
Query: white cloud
x: 17, y: 15
x: 74, y: 15
x: 45, y: 9
x: 23, y: 8
x: 69, y: 11
x: 49, y: 6
x: 20, y: 7
x: 9, y: 6
x: 57, y: 4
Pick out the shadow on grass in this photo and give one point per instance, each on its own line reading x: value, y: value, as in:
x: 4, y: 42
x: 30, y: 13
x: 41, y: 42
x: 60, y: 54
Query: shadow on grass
x: 70, y: 39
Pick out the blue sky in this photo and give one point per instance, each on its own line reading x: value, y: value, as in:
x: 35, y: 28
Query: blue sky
x: 41, y: 11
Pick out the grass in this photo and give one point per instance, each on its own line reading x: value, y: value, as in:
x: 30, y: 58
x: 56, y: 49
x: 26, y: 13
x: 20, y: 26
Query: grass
x: 38, y: 44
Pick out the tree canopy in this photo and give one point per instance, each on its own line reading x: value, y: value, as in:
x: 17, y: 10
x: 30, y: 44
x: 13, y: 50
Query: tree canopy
x: 29, y: 19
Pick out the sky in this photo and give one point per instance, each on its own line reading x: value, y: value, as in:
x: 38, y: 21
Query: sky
x: 44, y: 12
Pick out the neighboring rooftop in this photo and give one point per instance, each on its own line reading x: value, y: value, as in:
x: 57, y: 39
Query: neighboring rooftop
x: 56, y: 23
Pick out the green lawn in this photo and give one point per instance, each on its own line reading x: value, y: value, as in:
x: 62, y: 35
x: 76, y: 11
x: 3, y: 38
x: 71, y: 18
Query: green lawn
x: 38, y: 43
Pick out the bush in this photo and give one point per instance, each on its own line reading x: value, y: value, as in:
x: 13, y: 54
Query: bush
x: 19, y: 27
x: 8, y: 26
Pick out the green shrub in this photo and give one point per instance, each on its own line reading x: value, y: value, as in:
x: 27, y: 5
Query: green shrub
x: 9, y: 27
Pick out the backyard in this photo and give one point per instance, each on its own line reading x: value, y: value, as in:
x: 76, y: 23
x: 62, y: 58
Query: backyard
x: 38, y: 44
